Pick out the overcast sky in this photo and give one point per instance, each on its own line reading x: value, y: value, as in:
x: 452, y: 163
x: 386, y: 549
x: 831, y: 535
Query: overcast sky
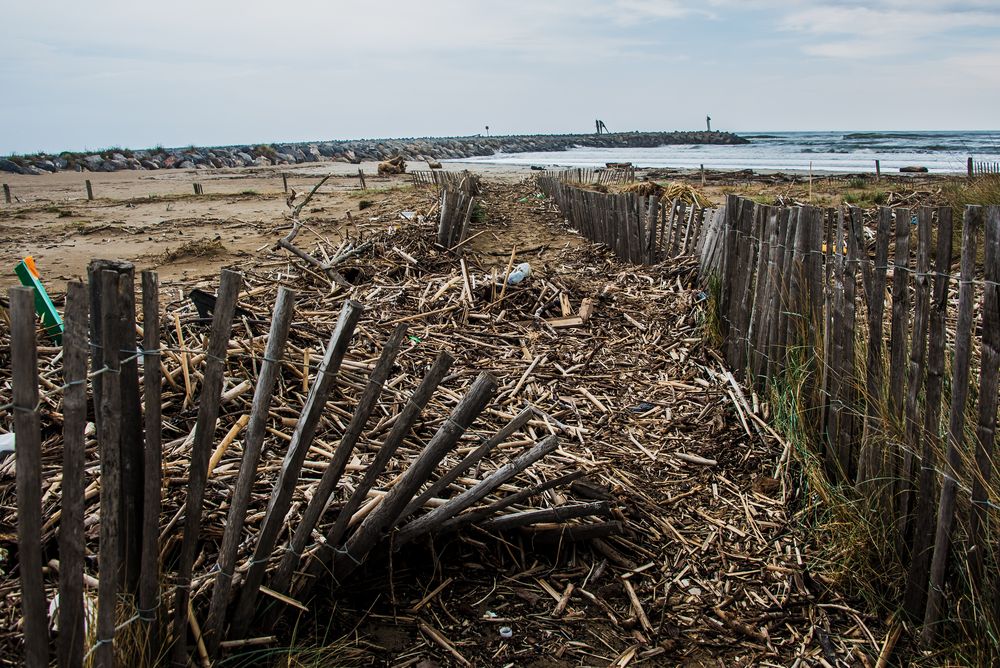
x: 78, y: 75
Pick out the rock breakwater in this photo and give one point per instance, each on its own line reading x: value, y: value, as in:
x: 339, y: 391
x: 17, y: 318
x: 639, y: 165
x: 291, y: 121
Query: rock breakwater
x: 349, y: 151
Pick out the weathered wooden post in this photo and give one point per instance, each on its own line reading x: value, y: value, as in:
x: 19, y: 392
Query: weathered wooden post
x: 878, y: 171
x: 28, y: 472
x: 361, y: 176
x: 284, y: 181
x: 703, y: 176
x: 90, y: 190
x: 109, y: 436
x: 6, y: 190
x: 968, y: 167
x: 76, y: 349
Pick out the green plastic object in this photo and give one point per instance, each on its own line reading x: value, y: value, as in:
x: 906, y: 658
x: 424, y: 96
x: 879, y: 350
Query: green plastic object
x: 51, y: 321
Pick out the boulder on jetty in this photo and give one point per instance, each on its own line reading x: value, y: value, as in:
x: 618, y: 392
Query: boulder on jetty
x: 430, y: 149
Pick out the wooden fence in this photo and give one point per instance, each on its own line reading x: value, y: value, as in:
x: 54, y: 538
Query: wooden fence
x: 137, y: 546
x: 600, y: 176
x: 802, y: 296
x: 636, y: 228
x: 977, y: 168
x: 442, y: 178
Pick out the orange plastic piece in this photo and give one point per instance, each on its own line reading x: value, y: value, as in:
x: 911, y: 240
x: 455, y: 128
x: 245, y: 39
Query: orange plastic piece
x: 29, y: 262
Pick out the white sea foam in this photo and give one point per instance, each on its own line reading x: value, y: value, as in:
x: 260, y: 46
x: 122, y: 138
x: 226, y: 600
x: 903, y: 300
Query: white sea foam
x: 939, y: 151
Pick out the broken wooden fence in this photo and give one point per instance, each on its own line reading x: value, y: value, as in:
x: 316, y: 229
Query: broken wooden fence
x: 137, y: 547
x: 636, y: 228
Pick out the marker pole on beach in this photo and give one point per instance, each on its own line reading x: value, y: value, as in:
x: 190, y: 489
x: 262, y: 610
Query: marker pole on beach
x: 878, y: 171
x: 703, y: 176
x: 90, y: 190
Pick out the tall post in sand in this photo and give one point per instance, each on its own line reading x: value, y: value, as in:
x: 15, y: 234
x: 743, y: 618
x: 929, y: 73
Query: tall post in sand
x: 6, y: 188
x: 878, y: 171
x: 90, y: 190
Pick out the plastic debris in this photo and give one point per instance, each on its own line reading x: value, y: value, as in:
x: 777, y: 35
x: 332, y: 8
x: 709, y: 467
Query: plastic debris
x: 521, y: 272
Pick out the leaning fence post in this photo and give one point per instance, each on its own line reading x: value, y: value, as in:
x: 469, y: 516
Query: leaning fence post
x: 6, y: 193
x: 28, y: 467
x: 90, y: 190
x: 305, y: 431
x: 281, y: 321
x: 71, y: 531
x: 361, y: 177
x: 201, y: 450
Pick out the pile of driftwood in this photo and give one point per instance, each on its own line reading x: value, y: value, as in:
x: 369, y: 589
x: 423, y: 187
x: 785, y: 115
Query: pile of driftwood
x: 697, y: 541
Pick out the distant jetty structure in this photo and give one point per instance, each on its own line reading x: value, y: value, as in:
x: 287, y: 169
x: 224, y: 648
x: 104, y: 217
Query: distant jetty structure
x: 349, y: 151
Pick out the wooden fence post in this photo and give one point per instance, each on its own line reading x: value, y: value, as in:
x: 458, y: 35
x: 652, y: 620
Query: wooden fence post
x: 6, y: 193
x: 973, y: 220
x: 915, y: 597
x: 331, y: 475
x: 90, y: 190
x: 968, y: 168
x: 404, y: 420
x: 989, y: 383
x: 148, y: 600
x: 76, y: 350
x: 361, y: 177
x: 878, y: 171
x: 201, y: 450
x: 284, y: 181
x: 131, y: 445
x: 28, y: 472
x: 284, y: 486
x: 915, y: 378
x: 281, y: 321
x: 109, y: 439
x: 385, y: 515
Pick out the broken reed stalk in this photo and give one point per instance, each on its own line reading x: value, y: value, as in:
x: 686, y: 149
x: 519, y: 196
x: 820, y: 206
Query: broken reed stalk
x: 440, y: 515
x: 109, y: 430
x: 284, y: 486
x: 380, y: 521
x: 331, y: 476
x: 281, y: 322
x: 148, y: 603
x: 557, y: 514
x: 208, y: 414
x: 403, y: 422
x: 28, y: 472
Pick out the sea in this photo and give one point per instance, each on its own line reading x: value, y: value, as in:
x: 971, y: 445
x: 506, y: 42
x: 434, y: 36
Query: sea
x: 853, y: 152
